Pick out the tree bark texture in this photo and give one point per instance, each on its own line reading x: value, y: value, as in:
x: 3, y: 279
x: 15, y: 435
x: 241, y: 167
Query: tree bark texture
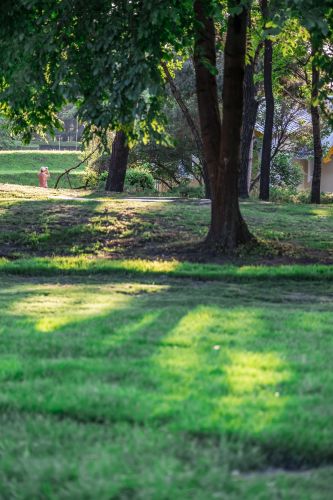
x: 317, y: 147
x: 195, y: 132
x: 117, y: 163
x: 222, y: 141
x: 249, y: 120
x: 269, y: 116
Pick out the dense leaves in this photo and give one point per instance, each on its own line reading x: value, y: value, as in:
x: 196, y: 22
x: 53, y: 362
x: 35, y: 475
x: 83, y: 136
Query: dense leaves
x: 99, y: 55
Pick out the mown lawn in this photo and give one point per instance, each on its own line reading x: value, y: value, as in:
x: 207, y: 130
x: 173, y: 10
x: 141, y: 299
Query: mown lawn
x: 22, y: 167
x: 158, y: 378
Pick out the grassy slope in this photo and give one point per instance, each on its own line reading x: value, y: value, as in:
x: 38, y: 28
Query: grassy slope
x: 110, y: 226
x: 22, y: 167
x: 139, y: 379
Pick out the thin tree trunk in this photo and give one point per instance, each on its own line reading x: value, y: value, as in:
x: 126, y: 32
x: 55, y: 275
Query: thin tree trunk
x: 222, y: 142
x: 249, y: 121
x: 117, y: 163
x: 269, y: 116
x: 317, y: 147
x: 250, y: 163
x: 195, y: 132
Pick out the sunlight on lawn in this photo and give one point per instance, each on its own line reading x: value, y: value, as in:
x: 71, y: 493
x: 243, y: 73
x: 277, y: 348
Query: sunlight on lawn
x: 237, y: 390
x: 124, y: 332
x: 194, y: 356
x: 50, y: 308
x: 323, y: 211
x: 254, y: 379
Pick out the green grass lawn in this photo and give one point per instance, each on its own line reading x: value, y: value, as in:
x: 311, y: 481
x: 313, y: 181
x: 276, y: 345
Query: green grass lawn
x: 157, y: 378
x: 41, y: 223
x: 22, y: 167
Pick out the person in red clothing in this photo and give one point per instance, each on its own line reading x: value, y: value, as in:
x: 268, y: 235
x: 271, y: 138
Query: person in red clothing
x: 43, y: 177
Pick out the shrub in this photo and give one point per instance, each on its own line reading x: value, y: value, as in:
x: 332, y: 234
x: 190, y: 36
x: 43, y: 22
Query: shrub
x: 91, y: 177
x: 187, y: 191
x: 289, y: 195
x: 100, y: 163
x: 139, y: 178
x: 95, y: 172
x: 285, y: 173
x: 327, y: 197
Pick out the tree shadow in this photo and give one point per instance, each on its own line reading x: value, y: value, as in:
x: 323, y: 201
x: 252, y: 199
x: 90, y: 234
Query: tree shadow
x: 52, y: 227
x: 185, y: 360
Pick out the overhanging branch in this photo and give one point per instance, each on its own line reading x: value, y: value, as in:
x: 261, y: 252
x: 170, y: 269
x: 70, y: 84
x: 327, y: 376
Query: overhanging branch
x: 66, y: 172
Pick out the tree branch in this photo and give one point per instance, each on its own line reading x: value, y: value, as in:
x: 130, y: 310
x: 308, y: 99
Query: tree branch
x: 177, y: 95
x: 66, y: 172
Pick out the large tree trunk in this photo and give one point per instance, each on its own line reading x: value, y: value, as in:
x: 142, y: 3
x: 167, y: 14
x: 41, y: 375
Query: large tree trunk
x: 195, y: 132
x: 269, y: 116
x: 117, y: 163
x: 317, y: 147
x: 222, y: 142
x: 249, y: 120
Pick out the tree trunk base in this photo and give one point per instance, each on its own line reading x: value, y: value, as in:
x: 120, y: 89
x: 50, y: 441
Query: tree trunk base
x: 228, y: 239
x: 315, y: 199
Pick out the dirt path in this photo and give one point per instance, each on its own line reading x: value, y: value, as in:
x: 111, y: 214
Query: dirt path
x: 142, y: 199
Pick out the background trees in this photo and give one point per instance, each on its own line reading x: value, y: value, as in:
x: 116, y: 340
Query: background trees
x: 112, y: 62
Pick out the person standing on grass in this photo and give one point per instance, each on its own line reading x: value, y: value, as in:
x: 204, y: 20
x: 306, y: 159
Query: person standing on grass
x: 43, y: 177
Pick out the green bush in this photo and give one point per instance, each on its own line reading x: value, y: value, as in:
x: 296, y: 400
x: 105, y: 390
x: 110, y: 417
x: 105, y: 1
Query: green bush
x: 327, y: 198
x: 287, y: 195
x: 187, y: 191
x: 285, y: 173
x: 95, y: 172
x: 91, y: 177
x: 139, y: 179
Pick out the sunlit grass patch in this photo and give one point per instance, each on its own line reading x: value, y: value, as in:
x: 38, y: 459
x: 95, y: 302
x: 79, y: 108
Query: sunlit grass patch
x: 234, y: 390
x: 232, y: 370
x: 172, y: 268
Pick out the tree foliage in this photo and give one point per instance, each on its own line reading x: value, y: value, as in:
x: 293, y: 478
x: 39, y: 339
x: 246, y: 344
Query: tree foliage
x: 106, y: 58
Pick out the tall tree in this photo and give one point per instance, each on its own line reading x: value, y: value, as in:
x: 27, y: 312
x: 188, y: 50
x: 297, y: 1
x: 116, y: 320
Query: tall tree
x: 117, y: 163
x: 269, y: 117
x: 315, y: 117
x: 317, y: 17
x: 251, y: 104
x: 221, y: 139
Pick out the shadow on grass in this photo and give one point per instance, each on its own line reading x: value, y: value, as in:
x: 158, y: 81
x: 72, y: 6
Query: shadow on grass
x: 305, y: 226
x: 71, y: 227
x: 179, y: 358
